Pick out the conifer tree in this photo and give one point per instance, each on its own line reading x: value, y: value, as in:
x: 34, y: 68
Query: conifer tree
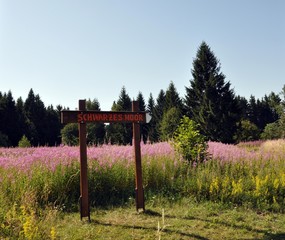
x: 36, y: 113
x: 120, y: 133
x: 52, y: 127
x: 9, y: 119
x: 95, y: 131
x: 143, y: 126
x: 159, y: 109
x: 152, y: 131
x: 172, y: 99
x: 209, y: 100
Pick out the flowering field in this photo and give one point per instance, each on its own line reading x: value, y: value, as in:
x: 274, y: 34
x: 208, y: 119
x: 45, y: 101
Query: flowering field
x: 23, y: 159
x: 250, y: 174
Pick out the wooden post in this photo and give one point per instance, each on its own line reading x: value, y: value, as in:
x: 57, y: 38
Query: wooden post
x: 84, y: 202
x: 137, y: 150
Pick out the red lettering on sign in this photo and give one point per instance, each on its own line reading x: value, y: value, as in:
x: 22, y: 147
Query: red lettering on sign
x: 109, y: 117
x: 127, y: 117
x: 80, y: 117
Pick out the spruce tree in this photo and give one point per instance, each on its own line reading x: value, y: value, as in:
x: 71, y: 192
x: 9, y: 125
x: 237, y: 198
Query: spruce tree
x: 143, y: 126
x: 159, y: 109
x: 95, y: 131
x: 172, y: 99
x: 120, y: 133
x: 52, y: 127
x: 36, y: 114
x: 169, y: 123
x: 152, y: 132
x: 209, y: 101
x: 10, y: 119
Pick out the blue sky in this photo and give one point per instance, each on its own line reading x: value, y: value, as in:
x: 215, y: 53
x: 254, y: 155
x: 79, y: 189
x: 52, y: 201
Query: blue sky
x: 68, y: 50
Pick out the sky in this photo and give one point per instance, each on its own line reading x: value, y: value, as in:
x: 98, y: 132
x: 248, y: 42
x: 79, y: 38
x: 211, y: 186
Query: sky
x: 66, y: 50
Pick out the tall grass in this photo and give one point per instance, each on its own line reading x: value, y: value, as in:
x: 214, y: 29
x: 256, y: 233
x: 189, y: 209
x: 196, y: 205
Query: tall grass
x: 34, y: 179
x: 251, y: 173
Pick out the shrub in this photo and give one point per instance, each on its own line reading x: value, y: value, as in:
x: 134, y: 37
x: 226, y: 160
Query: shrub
x: 24, y: 142
x: 189, y: 142
x: 69, y: 134
x: 248, y: 131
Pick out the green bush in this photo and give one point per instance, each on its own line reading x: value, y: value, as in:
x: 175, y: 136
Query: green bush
x: 274, y: 130
x: 69, y: 134
x: 247, y: 131
x: 24, y: 142
x: 189, y: 142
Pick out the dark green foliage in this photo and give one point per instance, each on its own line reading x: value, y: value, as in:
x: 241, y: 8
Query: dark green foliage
x: 69, y: 134
x: 124, y: 102
x: 172, y: 99
x: 143, y: 126
x: 264, y: 111
x: 274, y: 130
x: 52, y: 127
x: 9, y: 119
x: 95, y: 131
x: 152, y: 131
x: 160, y: 105
x: 169, y: 123
x: 243, y: 106
x: 158, y: 113
x: 247, y: 131
x: 4, y: 141
x: 93, y: 104
x: 209, y: 100
x: 120, y: 133
x: 23, y: 119
x: 36, y: 113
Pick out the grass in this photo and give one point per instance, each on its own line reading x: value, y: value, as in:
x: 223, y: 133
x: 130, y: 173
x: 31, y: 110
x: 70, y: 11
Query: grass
x: 184, y: 219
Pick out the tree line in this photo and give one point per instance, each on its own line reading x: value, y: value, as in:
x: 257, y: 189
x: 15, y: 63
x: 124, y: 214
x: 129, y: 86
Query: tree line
x: 209, y: 101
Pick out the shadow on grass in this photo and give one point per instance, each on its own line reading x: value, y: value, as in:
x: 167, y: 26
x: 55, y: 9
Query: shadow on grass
x: 276, y: 236
x: 267, y: 235
x: 152, y: 213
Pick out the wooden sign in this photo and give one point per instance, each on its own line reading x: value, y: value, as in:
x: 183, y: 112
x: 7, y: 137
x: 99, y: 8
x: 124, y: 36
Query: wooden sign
x: 82, y: 117
x: 100, y: 116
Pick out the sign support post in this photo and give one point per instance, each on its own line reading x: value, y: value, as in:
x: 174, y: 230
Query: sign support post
x: 84, y: 202
x: 137, y: 150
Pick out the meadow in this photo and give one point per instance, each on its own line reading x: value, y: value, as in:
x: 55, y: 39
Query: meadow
x: 39, y: 191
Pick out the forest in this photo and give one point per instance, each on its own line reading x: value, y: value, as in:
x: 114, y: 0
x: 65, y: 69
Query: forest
x: 209, y: 100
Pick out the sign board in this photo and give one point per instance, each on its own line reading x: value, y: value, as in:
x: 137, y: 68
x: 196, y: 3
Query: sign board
x: 100, y: 116
x: 82, y: 117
